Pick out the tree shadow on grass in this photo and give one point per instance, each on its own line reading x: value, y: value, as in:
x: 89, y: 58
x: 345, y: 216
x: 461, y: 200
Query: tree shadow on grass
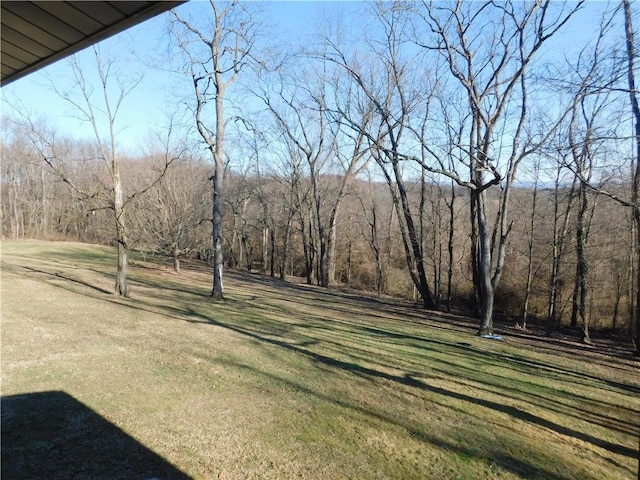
x: 521, y: 363
x: 339, y: 300
x: 54, y: 436
x: 55, y: 275
x: 265, y: 334
x: 478, y: 447
x: 261, y: 330
x: 410, y: 381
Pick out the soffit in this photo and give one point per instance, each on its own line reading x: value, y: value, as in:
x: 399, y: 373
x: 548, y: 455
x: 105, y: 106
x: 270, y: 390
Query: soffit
x: 36, y: 34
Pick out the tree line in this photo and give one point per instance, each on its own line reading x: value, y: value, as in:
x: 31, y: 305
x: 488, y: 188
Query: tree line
x: 444, y: 152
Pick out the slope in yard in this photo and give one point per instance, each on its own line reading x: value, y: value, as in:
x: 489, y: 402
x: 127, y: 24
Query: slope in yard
x: 285, y: 381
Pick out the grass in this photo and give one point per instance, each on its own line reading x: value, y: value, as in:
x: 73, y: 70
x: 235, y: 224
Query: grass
x: 286, y: 381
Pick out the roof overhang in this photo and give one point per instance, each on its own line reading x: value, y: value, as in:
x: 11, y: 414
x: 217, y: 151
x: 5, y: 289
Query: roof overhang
x: 36, y: 34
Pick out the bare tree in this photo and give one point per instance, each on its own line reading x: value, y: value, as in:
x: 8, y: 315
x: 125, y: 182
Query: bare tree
x: 167, y: 219
x: 296, y: 194
x: 560, y: 230
x: 17, y: 180
x: 597, y: 82
x: 492, y: 67
x: 35, y: 203
x: 108, y: 152
x: 216, y: 53
x: 385, y: 97
x: 99, y: 107
x: 589, y: 132
x: 531, y: 244
x: 298, y: 105
x: 371, y: 232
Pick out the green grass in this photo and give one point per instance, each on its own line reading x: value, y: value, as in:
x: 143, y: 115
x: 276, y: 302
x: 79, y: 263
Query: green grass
x: 286, y: 381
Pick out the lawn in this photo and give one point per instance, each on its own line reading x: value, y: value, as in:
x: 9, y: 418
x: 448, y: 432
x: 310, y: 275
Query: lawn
x: 285, y: 381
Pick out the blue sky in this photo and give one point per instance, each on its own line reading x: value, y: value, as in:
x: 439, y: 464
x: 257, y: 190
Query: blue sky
x: 147, y: 109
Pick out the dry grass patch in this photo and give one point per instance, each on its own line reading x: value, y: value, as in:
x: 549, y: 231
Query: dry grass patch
x: 285, y: 381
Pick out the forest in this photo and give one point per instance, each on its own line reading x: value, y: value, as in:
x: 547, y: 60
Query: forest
x: 477, y: 157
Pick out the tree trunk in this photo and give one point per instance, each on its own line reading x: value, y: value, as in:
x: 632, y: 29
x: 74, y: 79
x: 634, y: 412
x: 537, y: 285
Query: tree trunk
x: 415, y: 252
x: 421, y: 223
x: 475, y: 252
x: 581, y: 291
x: 450, y: 246
x: 217, y: 292
x: 559, y: 236
x: 389, y: 248
x: 323, y: 265
x: 331, y: 241
x: 234, y: 253
x: 272, y: 246
x: 322, y: 280
x: 176, y: 259
x: 349, y: 252
x: 265, y: 248
x: 307, y: 248
x: 636, y: 217
x: 530, y: 244
x: 437, y: 251
x: 485, y: 290
x: 45, y: 205
x: 635, y: 194
x: 14, y: 207
x: 121, y: 287
x: 377, y: 251
x: 373, y: 239
x: 286, y: 246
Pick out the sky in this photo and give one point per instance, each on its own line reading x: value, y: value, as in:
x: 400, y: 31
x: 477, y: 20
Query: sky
x: 140, y: 52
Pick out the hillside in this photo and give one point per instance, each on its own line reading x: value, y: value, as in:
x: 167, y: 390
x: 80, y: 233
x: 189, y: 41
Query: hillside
x: 285, y: 381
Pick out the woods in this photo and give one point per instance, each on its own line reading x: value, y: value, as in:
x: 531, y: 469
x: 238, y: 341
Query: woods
x: 449, y: 153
